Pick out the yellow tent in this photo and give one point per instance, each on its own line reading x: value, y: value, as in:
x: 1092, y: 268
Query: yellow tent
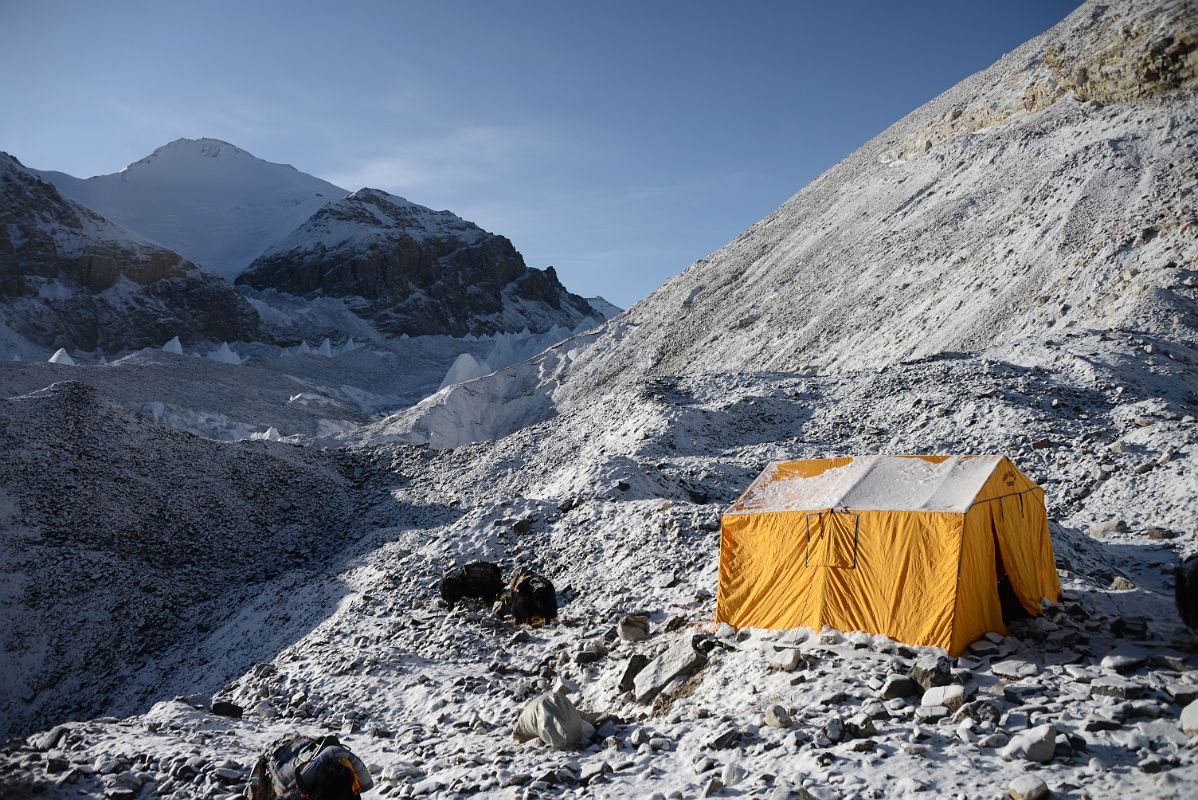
x: 912, y: 547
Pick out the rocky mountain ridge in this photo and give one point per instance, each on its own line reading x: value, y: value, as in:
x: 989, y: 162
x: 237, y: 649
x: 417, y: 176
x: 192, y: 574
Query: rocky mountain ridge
x: 71, y: 278
x: 415, y: 271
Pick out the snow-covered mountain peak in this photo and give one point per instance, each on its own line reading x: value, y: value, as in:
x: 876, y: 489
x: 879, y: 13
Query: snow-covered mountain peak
x: 370, y: 216
x: 73, y: 278
x: 188, y: 148
x: 213, y: 202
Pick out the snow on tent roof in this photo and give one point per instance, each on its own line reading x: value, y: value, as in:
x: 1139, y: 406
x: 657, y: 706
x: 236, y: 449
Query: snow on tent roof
x: 869, y: 483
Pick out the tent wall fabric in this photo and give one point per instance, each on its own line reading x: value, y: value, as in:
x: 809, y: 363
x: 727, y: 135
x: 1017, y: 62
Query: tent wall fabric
x: 907, y: 546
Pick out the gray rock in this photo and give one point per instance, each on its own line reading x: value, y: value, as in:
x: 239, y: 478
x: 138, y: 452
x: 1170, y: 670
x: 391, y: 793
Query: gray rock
x: 983, y: 647
x: 931, y: 713
x: 1027, y: 787
x: 592, y: 772
x: 951, y: 697
x: 993, y: 741
x: 898, y: 686
x: 1115, y: 686
x: 1022, y: 692
x: 874, y: 709
x: 859, y: 726
x: 635, y: 664
x: 833, y: 729
x: 681, y: 659
x: 1079, y: 674
x: 776, y: 717
x: 228, y: 775
x: 1014, y: 669
x: 1160, y: 534
x: 787, y: 659
x: 1182, y: 693
x: 1101, y: 529
x: 1037, y: 744
x: 1189, y: 719
x: 981, y: 711
x: 590, y: 654
x: 1124, y: 660
x: 730, y: 737
x: 633, y: 628
x: 931, y: 670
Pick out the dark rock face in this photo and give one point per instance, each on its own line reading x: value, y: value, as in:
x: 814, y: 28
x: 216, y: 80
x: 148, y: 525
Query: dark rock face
x: 70, y: 278
x: 416, y: 271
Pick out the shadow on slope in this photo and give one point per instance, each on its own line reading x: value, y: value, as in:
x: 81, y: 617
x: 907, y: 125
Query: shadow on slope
x: 140, y: 561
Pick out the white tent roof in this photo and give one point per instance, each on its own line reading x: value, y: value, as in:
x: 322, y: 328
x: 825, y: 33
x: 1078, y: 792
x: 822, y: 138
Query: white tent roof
x: 869, y: 483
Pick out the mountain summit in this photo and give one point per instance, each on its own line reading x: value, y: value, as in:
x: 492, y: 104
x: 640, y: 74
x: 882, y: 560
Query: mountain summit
x: 71, y: 278
x: 412, y: 270
x: 211, y: 201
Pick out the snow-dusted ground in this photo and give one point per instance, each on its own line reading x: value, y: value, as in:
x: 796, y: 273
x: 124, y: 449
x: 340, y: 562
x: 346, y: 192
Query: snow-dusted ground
x: 619, y: 505
x: 298, y: 582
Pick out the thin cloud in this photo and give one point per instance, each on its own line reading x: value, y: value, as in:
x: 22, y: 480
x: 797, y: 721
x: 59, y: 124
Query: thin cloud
x: 446, y: 164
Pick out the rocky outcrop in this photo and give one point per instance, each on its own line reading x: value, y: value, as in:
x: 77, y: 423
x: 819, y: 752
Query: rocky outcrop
x: 70, y: 278
x: 415, y: 271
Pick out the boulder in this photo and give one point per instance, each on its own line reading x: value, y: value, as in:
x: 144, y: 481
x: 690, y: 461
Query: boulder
x: 1182, y: 693
x: 898, y: 686
x: 981, y: 711
x: 1189, y: 719
x: 681, y: 659
x: 553, y: 719
x: 787, y: 659
x: 776, y: 717
x: 1027, y: 787
x: 633, y: 668
x: 931, y: 670
x: 1037, y: 744
x: 633, y: 628
x: 1115, y: 686
x: 1014, y: 669
x: 951, y: 697
x: 1125, y: 660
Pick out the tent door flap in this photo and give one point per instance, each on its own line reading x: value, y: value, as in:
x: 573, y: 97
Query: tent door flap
x: 832, y: 539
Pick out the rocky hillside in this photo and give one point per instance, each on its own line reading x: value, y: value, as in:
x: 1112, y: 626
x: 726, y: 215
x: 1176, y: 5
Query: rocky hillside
x: 1052, y: 192
x: 412, y: 270
x: 211, y: 201
x: 70, y: 278
x: 1048, y: 197
x: 126, y: 544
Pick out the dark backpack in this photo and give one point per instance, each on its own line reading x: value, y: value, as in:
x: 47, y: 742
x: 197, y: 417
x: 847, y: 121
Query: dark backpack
x: 290, y: 769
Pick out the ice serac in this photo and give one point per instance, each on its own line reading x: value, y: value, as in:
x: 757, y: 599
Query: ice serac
x: 411, y: 270
x: 214, y: 203
x: 69, y: 277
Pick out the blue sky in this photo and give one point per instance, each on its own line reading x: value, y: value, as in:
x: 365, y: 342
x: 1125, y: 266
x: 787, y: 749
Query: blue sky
x: 618, y: 141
